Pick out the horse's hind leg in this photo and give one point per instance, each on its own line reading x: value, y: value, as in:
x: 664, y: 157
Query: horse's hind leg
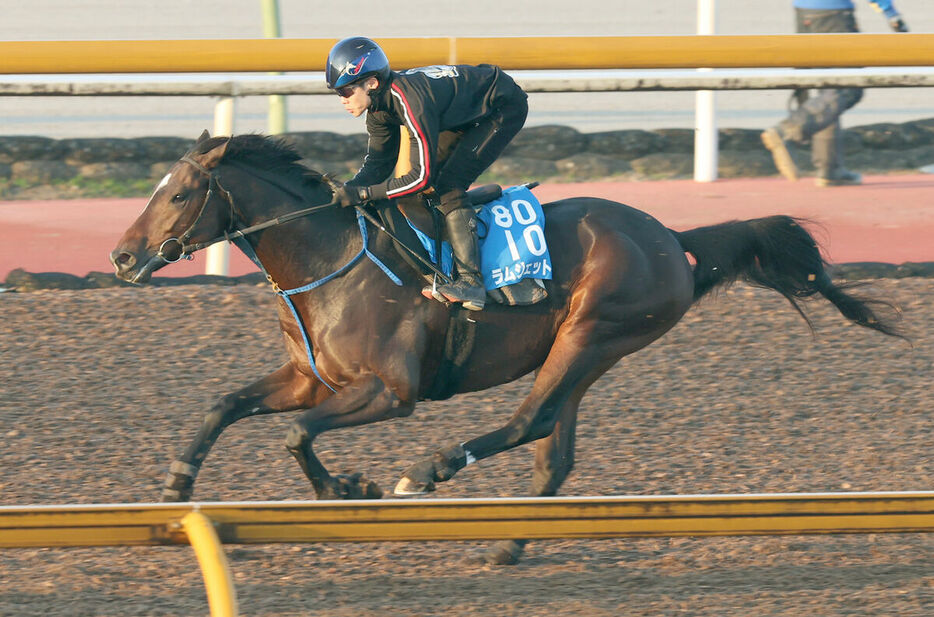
x: 284, y: 390
x: 554, y: 460
x: 574, y: 363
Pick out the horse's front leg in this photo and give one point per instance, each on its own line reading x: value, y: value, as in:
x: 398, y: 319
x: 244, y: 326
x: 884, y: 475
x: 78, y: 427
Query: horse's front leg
x: 366, y: 400
x: 284, y: 390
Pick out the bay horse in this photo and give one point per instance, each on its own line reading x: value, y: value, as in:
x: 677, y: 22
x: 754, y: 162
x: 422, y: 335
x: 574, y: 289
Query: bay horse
x: 364, y: 345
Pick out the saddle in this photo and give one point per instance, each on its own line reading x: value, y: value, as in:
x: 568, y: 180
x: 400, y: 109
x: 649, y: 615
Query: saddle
x: 401, y: 215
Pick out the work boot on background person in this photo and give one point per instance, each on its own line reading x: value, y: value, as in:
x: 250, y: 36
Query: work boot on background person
x: 827, y: 155
x: 774, y: 140
x: 467, y: 288
x: 839, y: 177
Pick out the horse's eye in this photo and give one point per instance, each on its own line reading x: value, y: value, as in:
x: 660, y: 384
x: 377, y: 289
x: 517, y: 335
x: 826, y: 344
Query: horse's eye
x: 178, y: 198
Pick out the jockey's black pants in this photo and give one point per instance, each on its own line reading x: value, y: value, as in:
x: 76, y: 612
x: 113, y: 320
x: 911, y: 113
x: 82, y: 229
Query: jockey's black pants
x: 468, y: 152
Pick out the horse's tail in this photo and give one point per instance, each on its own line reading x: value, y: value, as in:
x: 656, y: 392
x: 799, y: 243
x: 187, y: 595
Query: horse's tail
x: 778, y: 253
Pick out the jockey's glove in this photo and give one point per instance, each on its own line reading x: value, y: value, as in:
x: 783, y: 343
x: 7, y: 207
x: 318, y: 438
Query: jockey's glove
x: 353, y: 195
x: 897, y: 23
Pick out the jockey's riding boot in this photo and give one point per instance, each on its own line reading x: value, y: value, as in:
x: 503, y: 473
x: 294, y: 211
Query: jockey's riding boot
x: 467, y: 288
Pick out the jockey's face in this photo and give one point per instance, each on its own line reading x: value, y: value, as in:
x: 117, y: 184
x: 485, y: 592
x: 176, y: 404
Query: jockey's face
x: 356, y: 97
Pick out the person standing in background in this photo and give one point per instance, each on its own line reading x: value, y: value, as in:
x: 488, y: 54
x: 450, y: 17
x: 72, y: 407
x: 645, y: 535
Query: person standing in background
x: 817, y: 116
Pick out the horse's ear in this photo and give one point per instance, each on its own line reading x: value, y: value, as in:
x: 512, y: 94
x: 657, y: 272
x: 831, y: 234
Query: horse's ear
x: 213, y: 156
x: 204, y: 137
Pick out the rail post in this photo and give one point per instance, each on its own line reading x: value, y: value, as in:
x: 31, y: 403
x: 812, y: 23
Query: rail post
x: 218, y: 582
x: 706, y: 152
x: 277, y: 121
x: 217, y: 256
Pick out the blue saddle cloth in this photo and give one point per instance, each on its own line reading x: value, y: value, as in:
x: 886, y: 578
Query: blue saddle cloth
x: 511, y: 238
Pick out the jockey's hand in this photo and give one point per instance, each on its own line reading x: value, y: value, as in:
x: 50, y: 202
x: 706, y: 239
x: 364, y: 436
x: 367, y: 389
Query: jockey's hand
x: 349, y: 196
x: 898, y: 24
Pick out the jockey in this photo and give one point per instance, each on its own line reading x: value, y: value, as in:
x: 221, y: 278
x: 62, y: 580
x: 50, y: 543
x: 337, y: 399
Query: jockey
x: 480, y: 106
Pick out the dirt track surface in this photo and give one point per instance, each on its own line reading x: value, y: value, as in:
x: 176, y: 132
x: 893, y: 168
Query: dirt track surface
x: 101, y: 389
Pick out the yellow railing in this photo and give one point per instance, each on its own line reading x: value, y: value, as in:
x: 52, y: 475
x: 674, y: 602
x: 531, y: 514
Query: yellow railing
x: 469, y: 519
x: 206, y: 525
x: 532, y: 53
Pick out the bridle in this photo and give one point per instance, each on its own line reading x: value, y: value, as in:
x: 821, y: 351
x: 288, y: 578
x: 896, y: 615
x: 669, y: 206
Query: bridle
x: 185, y: 250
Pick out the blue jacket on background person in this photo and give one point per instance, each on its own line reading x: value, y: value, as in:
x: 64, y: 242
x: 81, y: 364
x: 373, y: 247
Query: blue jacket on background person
x: 883, y: 6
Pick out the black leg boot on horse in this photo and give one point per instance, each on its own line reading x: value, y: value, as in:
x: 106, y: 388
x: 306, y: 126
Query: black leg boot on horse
x: 461, y: 229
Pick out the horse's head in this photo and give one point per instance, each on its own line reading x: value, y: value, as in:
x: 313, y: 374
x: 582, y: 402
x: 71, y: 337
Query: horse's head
x: 186, y: 207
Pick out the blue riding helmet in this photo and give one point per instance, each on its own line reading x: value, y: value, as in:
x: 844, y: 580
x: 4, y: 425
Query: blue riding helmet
x: 353, y: 59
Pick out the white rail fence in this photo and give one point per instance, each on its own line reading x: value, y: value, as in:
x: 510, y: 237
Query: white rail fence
x: 598, y: 80
x: 229, y: 87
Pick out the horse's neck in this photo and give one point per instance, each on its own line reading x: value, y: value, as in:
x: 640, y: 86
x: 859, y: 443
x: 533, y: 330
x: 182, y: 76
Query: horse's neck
x: 301, y: 251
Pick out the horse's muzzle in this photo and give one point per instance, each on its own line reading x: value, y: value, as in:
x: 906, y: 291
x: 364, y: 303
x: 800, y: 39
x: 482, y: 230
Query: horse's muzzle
x: 123, y: 263
x: 125, y: 266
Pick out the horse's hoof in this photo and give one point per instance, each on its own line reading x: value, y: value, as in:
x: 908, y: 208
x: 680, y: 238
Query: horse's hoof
x: 371, y: 490
x: 420, y: 477
x: 409, y: 488
x: 174, y: 496
x: 355, y: 486
x: 358, y: 486
x: 179, y: 482
x: 505, y: 553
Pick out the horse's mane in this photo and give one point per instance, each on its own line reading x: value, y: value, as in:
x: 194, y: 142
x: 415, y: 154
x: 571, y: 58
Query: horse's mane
x: 268, y: 153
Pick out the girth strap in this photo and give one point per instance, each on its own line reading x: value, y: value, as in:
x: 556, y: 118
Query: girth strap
x: 459, y: 342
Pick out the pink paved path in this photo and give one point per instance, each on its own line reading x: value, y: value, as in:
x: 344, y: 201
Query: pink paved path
x: 888, y: 219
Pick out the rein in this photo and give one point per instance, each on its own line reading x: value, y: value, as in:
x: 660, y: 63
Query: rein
x: 187, y: 249
x: 240, y: 233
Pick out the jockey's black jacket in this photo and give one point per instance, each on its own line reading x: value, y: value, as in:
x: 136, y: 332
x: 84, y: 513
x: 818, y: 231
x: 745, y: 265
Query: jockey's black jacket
x: 426, y: 101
